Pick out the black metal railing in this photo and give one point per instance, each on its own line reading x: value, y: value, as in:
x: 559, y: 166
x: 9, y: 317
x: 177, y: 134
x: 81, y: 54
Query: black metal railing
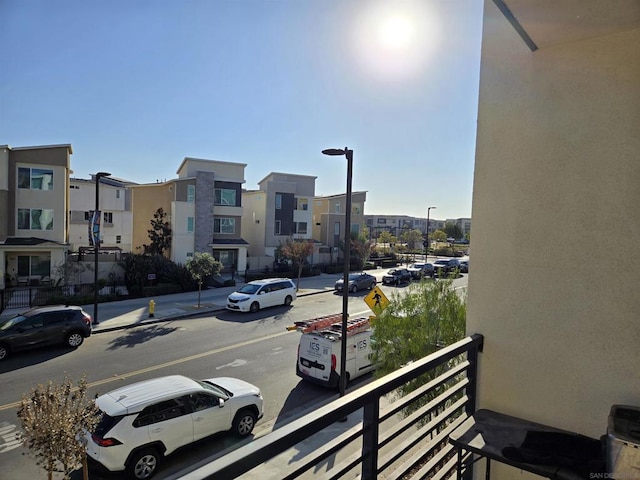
x: 406, y: 438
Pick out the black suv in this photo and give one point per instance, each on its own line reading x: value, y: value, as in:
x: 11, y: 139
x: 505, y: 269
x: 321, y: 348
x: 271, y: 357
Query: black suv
x: 446, y: 266
x: 67, y: 325
x: 396, y: 276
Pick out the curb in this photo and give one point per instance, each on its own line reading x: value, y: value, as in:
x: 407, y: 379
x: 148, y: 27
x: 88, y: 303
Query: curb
x: 180, y: 316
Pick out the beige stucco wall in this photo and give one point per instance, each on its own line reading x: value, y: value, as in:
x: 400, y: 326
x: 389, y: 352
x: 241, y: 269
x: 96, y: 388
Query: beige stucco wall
x: 555, y: 219
x: 145, y: 201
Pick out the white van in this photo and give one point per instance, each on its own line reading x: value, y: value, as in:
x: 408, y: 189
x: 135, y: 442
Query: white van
x: 319, y: 353
x: 258, y: 294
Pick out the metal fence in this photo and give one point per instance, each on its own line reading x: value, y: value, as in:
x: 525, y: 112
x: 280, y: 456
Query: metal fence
x: 386, y: 442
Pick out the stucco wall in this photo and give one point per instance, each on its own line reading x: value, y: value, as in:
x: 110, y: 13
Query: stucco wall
x: 555, y: 208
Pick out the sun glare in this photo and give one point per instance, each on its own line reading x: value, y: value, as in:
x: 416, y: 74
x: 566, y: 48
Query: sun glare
x: 394, y: 40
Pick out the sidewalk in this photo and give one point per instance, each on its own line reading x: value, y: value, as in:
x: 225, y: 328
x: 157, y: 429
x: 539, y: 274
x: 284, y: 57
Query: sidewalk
x: 135, y: 312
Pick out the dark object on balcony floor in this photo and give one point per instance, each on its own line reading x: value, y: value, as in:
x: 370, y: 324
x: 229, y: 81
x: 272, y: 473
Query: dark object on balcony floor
x: 533, y: 447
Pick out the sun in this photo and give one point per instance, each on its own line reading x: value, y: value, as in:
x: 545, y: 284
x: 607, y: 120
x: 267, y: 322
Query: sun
x: 396, y: 33
x: 394, y: 40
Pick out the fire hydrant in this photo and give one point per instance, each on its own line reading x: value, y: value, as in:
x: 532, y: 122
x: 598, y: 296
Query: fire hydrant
x: 152, y: 308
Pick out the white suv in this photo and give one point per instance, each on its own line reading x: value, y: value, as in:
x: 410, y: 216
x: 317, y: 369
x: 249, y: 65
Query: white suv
x: 143, y: 422
x: 262, y: 293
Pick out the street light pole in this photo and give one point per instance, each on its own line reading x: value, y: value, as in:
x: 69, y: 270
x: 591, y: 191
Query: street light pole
x: 96, y: 246
x: 347, y: 261
x: 426, y: 250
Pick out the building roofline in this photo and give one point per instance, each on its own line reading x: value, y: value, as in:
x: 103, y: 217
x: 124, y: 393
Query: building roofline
x: 39, y: 147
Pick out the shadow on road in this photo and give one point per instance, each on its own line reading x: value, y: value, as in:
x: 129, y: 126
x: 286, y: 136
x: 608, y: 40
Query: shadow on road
x: 136, y: 336
x: 27, y: 358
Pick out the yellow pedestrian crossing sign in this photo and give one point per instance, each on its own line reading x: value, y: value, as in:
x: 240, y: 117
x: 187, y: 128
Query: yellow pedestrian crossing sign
x: 376, y: 300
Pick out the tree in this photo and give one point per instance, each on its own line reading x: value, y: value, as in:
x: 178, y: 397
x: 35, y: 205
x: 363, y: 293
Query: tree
x: 453, y: 230
x: 360, y: 249
x: 159, y: 234
x: 201, y: 266
x: 413, y: 239
x: 68, y: 272
x: 386, y: 237
x: 438, y: 236
x: 53, y: 419
x: 297, y: 251
x: 429, y: 316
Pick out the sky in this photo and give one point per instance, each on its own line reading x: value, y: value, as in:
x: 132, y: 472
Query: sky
x: 136, y: 86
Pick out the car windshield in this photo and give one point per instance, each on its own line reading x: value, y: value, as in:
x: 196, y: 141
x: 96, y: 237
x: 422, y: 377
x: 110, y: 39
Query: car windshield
x: 249, y: 288
x: 442, y: 262
x: 355, y: 276
x: 217, y: 389
x: 4, y: 325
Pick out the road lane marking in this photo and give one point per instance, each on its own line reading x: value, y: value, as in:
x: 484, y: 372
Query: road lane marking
x: 173, y: 362
x: 164, y: 365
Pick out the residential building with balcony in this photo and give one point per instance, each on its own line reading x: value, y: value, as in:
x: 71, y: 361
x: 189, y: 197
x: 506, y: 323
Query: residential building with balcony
x: 280, y: 209
x: 204, y: 210
x: 329, y: 219
x: 34, y: 201
x: 115, y: 206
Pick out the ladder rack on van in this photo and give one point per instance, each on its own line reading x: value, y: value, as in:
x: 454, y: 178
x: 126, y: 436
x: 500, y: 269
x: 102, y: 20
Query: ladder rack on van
x: 332, y: 323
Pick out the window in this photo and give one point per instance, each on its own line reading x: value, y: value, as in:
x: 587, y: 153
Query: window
x: 300, y: 227
x: 202, y: 401
x: 88, y: 215
x: 34, y: 265
x: 355, y: 228
x: 117, y: 193
x: 337, y: 208
x: 336, y: 228
x: 301, y: 204
x: 278, y: 201
x: 35, y: 219
x: 356, y: 209
x: 191, y: 193
x: 382, y: 221
x: 224, y: 225
x: 161, y: 412
x: 108, y: 217
x: 35, y: 178
x: 225, y: 196
x: 190, y: 224
x: 118, y: 238
x: 277, y: 227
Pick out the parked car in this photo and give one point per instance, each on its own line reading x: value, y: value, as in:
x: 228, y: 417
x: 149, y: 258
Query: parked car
x: 357, y: 281
x: 143, y: 422
x: 396, y: 276
x: 464, y: 266
x: 446, y: 266
x: 41, y: 326
x: 419, y: 270
x: 258, y: 294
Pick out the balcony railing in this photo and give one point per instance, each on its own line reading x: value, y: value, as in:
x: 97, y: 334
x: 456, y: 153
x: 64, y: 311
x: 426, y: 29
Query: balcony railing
x: 385, y: 442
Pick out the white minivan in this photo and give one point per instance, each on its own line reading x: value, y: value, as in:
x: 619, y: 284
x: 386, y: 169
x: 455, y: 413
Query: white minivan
x: 258, y: 294
x: 319, y: 356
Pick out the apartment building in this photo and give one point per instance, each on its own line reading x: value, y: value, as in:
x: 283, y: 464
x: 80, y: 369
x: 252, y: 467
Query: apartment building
x: 116, y: 225
x: 278, y: 210
x: 204, y: 210
x: 329, y: 219
x: 396, y: 224
x: 34, y: 201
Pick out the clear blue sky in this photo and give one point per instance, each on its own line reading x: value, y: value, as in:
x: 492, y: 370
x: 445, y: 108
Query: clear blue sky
x: 136, y: 86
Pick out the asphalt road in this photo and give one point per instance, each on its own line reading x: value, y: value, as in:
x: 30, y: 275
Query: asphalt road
x: 255, y: 347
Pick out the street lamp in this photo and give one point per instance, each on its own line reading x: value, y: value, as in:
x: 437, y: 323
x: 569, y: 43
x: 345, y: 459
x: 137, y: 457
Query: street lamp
x: 96, y: 246
x: 347, y: 260
x: 426, y: 249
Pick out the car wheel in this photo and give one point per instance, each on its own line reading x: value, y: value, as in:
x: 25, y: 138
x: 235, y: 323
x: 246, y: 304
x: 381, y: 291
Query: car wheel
x: 354, y: 289
x: 255, y: 306
x: 243, y: 423
x: 4, y: 352
x: 288, y: 300
x: 74, y: 340
x: 143, y: 465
